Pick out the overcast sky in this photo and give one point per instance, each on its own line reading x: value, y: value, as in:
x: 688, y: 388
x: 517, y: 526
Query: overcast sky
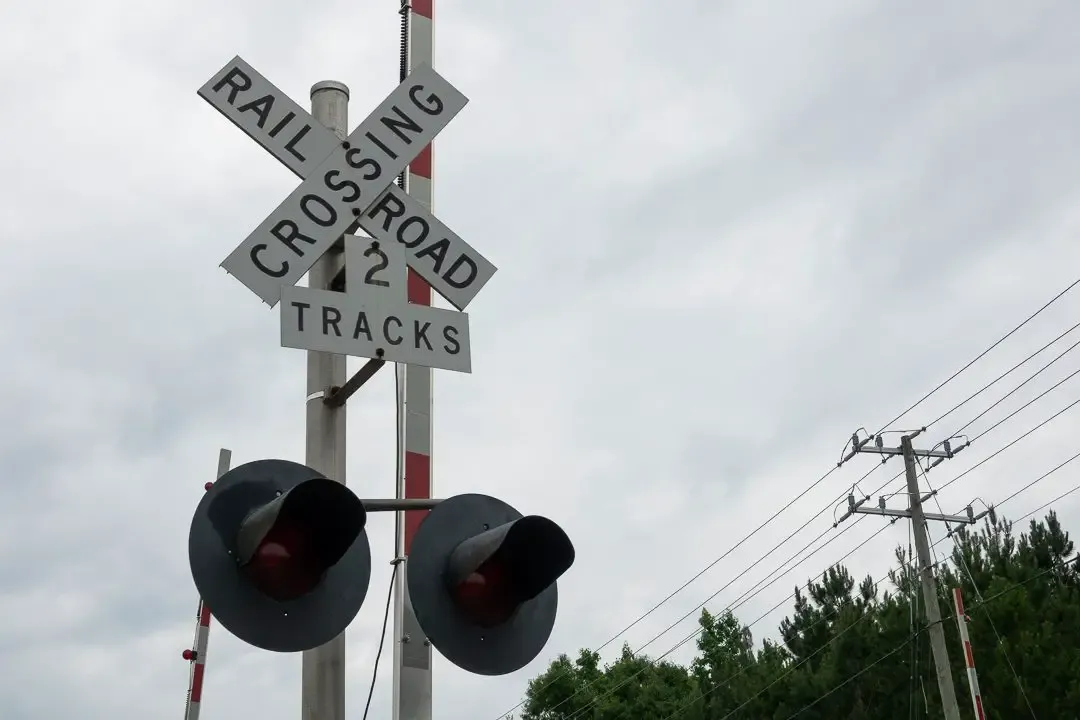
x: 728, y: 234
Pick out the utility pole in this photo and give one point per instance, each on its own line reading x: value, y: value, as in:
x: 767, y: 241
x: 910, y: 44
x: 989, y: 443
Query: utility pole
x: 922, y: 544
x: 929, y: 586
x: 323, y: 674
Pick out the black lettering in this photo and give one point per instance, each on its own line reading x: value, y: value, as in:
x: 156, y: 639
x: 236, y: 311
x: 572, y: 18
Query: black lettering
x: 386, y: 330
x: 432, y: 104
x: 291, y: 145
x: 421, y: 236
x: 405, y: 123
x: 362, y: 326
x: 356, y: 161
x: 437, y: 252
x: 450, y: 334
x: 382, y: 263
x: 377, y: 141
x: 286, y: 231
x: 462, y: 261
x: 281, y: 125
x: 300, y: 308
x: 354, y: 189
x: 418, y: 334
x: 383, y: 205
x: 260, y: 107
x: 262, y: 268
x: 230, y: 79
x: 305, y: 205
x: 331, y: 316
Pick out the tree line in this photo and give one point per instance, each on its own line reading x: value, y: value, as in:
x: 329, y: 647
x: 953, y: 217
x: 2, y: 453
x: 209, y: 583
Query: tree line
x: 854, y: 650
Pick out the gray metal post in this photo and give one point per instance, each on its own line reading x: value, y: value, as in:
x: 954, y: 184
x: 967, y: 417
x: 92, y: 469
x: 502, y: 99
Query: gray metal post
x: 929, y: 586
x: 323, y: 683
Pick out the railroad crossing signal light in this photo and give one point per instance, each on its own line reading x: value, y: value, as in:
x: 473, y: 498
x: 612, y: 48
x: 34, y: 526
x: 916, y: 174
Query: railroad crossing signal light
x: 280, y: 555
x: 482, y: 582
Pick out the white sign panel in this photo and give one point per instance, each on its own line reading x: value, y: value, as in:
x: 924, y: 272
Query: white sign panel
x: 373, y: 325
x: 372, y: 266
x: 269, y: 117
x: 434, y: 251
x: 285, y: 245
x: 449, y: 264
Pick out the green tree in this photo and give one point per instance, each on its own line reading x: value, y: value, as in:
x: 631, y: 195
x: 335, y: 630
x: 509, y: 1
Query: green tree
x: 632, y: 686
x: 858, y: 651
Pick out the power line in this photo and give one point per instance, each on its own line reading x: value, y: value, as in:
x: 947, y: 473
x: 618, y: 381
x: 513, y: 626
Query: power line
x: 760, y: 588
x: 819, y: 481
x: 1006, y: 447
x: 742, y: 600
x: 1041, y: 477
x: 993, y: 382
x: 1036, y: 576
x: 980, y: 356
x: 996, y: 452
x: 712, y: 564
x: 750, y: 567
x: 998, y: 424
x: 1062, y: 496
x: 1029, y: 403
x: 1007, y: 395
x: 730, y: 607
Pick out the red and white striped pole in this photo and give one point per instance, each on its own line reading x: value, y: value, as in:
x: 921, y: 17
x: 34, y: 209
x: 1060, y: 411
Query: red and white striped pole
x: 969, y: 658
x: 196, y: 655
x: 412, y: 652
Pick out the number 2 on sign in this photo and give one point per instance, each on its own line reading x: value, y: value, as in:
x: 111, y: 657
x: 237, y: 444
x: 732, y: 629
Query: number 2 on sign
x: 381, y: 263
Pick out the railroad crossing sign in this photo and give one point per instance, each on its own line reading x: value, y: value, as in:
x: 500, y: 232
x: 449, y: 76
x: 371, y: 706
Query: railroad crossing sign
x: 373, y: 318
x: 347, y: 183
x: 344, y: 183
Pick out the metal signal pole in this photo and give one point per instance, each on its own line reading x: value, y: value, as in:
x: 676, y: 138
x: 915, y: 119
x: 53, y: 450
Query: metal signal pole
x: 412, y: 650
x: 323, y: 683
x: 922, y: 545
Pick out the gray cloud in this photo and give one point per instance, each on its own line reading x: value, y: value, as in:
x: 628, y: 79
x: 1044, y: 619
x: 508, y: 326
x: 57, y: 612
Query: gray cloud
x: 727, y: 235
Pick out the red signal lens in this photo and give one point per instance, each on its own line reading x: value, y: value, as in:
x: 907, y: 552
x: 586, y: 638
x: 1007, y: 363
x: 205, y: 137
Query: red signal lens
x: 486, y: 597
x: 283, y: 566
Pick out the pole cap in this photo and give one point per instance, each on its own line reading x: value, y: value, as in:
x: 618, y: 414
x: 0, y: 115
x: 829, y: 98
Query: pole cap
x: 330, y: 85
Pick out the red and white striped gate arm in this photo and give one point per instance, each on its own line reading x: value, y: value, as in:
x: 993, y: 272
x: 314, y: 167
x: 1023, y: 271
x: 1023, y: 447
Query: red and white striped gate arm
x: 412, y: 662
x: 969, y: 658
x: 197, y: 655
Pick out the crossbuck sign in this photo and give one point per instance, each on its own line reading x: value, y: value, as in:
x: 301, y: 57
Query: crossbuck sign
x: 348, y: 183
